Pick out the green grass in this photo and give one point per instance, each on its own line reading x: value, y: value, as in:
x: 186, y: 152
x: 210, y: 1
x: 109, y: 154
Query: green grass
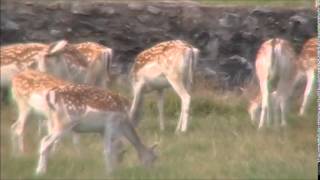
x: 221, y: 143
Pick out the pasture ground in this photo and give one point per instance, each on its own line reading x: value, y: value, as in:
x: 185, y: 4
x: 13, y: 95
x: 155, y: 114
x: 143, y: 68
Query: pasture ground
x: 221, y: 143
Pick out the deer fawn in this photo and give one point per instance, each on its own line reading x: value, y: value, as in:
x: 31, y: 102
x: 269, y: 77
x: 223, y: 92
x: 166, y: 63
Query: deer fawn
x: 167, y: 63
x: 77, y: 108
x: 277, y: 63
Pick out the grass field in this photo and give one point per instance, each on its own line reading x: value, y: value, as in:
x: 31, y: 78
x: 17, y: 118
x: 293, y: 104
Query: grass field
x: 221, y: 144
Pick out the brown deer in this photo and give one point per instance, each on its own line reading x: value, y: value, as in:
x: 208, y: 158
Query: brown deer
x: 17, y: 57
x: 99, y: 59
x: 56, y: 58
x: 288, y: 70
x: 167, y: 63
x: 276, y: 70
x: 77, y: 108
x: 307, y: 65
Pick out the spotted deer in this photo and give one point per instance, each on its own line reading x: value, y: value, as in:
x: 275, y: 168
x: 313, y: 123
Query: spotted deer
x: 307, y: 65
x: 167, y: 63
x: 18, y: 57
x: 254, y: 108
x: 99, y: 59
x: 56, y: 58
x: 276, y: 70
x: 80, y: 109
x: 288, y: 69
x: 23, y: 84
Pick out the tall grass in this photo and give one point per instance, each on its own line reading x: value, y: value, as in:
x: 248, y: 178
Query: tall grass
x: 221, y: 143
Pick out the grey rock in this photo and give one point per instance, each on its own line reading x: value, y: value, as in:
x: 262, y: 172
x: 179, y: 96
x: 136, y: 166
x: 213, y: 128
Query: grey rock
x: 39, y: 36
x: 9, y: 25
x: 191, y: 17
x: 143, y: 18
x: 229, y: 20
x: 299, y: 19
x: 153, y: 10
x: 251, y: 24
x: 213, y: 48
x: 55, y: 32
x: 79, y: 8
x: 107, y: 10
x: 261, y: 11
x: 135, y: 6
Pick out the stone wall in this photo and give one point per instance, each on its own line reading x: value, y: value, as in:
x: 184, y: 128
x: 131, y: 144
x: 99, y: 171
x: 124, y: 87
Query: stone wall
x: 228, y: 37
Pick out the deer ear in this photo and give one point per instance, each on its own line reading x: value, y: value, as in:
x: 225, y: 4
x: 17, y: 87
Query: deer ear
x: 57, y: 46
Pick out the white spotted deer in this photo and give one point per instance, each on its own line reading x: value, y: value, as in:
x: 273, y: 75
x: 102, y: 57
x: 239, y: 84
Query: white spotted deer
x: 18, y: 57
x: 99, y: 58
x: 80, y: 109
x: 278, y: 69
x: 307, y: 65
x: 167, y: 63
x: 56, y: 58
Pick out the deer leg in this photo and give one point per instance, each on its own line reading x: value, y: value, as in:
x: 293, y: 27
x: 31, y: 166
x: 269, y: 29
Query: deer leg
x: 275, y: 108
x: 42, y: 125
x: 264, y: 104
x: 180, y: 89
x: 283, y: 108
x: 110, y: 145
x: 137, y: 100
x: 76, y: 142
x: 19, y: 126
x: 160, y: 109
x: 307, y: 91
x: 56, y: 131
x: 46, y: 144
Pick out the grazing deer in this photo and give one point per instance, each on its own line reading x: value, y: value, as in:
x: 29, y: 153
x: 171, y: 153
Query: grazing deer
x: 81, y: 109
x: 99, y: 59
x: 167, y: 63
x: 276, y: 70
x: 307, y: 64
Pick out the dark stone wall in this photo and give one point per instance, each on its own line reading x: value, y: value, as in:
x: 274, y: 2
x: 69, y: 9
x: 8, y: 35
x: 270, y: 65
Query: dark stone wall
x: 228, y: 37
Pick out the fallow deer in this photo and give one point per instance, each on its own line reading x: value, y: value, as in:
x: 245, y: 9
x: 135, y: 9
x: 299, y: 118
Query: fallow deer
x: 254, y: 108
x: 99, y: 59
x: 17, y: 57
x: 56, y: 58
x: 23, y: 84
x: 281, y: 62
x: 167, y: 63
x: 81, y: 109
x: 307, y: 65
x: 276, y: 69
